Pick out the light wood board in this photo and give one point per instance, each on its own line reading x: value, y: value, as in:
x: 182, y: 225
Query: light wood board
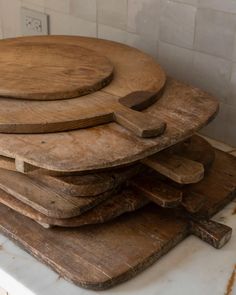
x: 142, y: 75
x: 81, y: 112
x: 101, y: 256
x: 51, y: 71
x: 185, y: 110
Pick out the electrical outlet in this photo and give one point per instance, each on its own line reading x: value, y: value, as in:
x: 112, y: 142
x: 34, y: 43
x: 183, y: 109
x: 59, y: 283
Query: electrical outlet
x: 34, y: 22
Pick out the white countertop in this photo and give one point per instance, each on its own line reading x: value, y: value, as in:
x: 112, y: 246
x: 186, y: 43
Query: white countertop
x: 193, y: 267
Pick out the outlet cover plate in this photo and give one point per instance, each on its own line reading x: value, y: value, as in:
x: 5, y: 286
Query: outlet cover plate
x: 34, y: 22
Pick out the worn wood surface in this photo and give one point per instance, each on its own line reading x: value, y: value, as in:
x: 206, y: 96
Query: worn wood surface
x: 177, y: 168
x: 211, y: 232
x: 87, y: 185
x: 142, y: 75
x: 81, y: 112
x: 77, y: 185
x: 197, y: 149
x: 184, y: 162
x: 45, y: 200
x: 100, y: 256
x: 160, y: 193
x: 185, y: 110
x: 56, y: 71
x: 53, y: 67
x: 202, y: 199
x: 109, y: 209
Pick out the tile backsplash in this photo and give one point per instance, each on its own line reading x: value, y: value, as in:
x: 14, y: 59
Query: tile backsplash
x: 194, y: 40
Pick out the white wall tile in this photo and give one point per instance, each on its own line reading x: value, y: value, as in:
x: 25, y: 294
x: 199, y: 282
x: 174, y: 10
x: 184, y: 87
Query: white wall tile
x: 215, y: 32
x: 84, y: 9
x: 230, y: 128
x: 217, y: 128
x: 65, y: 24
x: 231, y: 98
x: 112, y: 13
x: 144, y: 17
x: 110, y: 33
x: 190, y: 2
x: 58, y: 5
x: 176, y: 61
x: 30, y: 5
x: 178, y: 24
x: 212, y: 74
x: 10, y: 16
x: 143, y: 42
x: 221, y: 5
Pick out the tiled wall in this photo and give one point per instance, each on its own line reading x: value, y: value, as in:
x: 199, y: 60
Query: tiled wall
x: 194, y: 40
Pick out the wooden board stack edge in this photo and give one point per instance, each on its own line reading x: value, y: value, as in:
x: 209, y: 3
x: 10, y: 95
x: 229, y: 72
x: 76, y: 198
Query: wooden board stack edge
x: 100, y: 256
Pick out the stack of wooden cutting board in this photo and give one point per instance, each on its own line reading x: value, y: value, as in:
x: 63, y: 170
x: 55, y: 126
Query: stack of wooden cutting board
x: 90, y: 130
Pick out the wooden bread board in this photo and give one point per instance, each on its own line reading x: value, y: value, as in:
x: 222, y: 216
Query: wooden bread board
x: 100, y: 256
x: 56, y: 71
x: 185, y: 110
x: 45, y: 200
x: 116, y: 205
x: 62, y: 70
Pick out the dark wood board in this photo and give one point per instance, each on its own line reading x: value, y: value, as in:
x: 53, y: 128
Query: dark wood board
x: 56, y: 71
x: 114, y: 206
x: 185, y: 110
x: 77, y: 185
x: 45, y: 200
x: 100, y: 256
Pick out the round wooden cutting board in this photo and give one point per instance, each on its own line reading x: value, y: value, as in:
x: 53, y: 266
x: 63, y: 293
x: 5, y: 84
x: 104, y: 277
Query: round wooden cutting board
x: 51, y: 71
x: 55, y: 69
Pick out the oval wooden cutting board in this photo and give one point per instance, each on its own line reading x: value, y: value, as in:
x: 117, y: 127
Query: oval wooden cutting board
x: 51, y: 71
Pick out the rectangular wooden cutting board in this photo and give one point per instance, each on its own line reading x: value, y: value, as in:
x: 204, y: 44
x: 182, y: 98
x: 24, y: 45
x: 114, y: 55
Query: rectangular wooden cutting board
x: 100, y: 256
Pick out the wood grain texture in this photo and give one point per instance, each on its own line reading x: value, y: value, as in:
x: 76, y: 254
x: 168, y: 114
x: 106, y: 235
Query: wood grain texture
x: 77, y: 185
x: 51, y: 71
x: 42, y: 198
x: 160, y: 193
x: 185, y: 110
x: 131, y: 242
x: 179, y: 162
x: 177, y: 168
x: 109, y: 209
x: 86, y: 185
x: 81, y: 112
x: 143, y: 75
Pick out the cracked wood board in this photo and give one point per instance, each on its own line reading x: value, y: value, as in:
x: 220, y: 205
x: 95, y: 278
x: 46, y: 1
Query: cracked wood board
x: 185, y: 110
x: 100, y: 256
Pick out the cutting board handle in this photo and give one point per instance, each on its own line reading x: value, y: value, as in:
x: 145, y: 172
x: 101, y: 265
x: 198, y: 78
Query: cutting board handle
x: 143, y: 125
x: 211, y: 232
